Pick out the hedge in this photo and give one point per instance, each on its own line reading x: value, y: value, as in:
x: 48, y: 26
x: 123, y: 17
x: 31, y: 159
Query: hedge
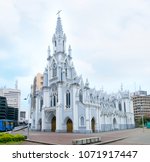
x: 5, y: 137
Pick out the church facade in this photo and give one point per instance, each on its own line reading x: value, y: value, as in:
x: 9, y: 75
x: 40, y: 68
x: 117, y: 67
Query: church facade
x: 67, y: 104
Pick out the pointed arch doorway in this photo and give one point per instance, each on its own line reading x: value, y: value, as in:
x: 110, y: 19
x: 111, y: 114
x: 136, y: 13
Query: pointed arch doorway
x: 69, y: 126
x: 53, y: 124
x: 93, y: 125
x: 115, y: 124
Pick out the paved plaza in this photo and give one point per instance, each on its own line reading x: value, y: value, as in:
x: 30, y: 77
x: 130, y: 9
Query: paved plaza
x: 138, y: 136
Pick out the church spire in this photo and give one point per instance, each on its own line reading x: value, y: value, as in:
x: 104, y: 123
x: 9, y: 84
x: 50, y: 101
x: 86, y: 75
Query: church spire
x: 59, y: 38
x: 59, y: 29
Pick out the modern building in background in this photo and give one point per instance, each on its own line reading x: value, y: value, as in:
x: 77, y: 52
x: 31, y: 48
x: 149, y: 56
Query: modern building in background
x: 23, y: 117
x: 3, y: 107
x: 12, y: 96
x: 65, y: 103
x: 141, y: 104
x: 7, y: 112
x: 12, y: 102
x: 36, y: 87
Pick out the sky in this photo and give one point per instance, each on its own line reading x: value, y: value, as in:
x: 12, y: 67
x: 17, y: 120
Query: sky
x: 109, y: 40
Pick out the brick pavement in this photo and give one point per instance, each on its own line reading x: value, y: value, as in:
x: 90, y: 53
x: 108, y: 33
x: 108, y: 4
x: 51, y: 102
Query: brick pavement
x: 134, y: 137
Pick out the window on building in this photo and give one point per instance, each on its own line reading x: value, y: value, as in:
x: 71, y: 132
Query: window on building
x: 54, y: 71
x: 51, y: 101
x: 41, y: 104
x: 22, y: 114
x: 53, y: 96
x: 120, y: 107
x: 91, y: 97
x: 82, y: 121
x: 65, y: 66
x: 54, y: 100
x: 80, y: 96
x: 67, y: 99
x: 124, y: 107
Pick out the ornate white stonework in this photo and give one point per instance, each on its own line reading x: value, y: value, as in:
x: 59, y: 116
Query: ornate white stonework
x: 67, y: 104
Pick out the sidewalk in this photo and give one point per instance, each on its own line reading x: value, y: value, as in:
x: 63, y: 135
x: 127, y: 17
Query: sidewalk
x: 133, y: 136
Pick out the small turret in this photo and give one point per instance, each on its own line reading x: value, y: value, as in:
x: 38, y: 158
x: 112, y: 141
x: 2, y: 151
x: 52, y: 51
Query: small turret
x: 87, y: 84
x: 48, y: 53
x: 69, y: 51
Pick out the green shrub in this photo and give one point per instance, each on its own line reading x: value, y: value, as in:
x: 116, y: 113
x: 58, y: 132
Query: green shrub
x: 5, y: 137
x: 19, y: 137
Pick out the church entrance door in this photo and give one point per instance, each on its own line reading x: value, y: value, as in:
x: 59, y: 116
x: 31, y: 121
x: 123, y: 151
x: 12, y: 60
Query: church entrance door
x: 69, y: 126
x: 93, y: 125
x: 53, y: 124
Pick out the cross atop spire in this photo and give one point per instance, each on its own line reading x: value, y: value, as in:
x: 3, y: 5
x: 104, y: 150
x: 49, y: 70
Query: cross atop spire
x: 58, y: 13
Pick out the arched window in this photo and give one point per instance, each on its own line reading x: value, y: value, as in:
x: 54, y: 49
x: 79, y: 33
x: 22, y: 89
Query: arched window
x: 80, y: 96
x: 54, y: 72
x: 67, y: 99
x: 65, y: 66
x: 53, y: 96
x: 51, y: 101
x: 82, y: 121
x: 66, y: 72
x: 120, y: 107
x: 124, y: 107
x: 91, y: 97
x: 54, y: 100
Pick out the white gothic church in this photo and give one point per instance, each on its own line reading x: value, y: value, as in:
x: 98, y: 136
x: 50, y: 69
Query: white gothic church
x: 67, y: 104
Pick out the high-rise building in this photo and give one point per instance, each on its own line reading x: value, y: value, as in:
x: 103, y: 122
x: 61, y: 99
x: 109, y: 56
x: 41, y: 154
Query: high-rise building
x: 12, y: 96
x: 13, y: 103
x: 7, y: 112
x: 141, y: 104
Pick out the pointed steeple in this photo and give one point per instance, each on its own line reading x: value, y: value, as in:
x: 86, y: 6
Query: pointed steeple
x: 59, y: 29
x: 59, y: 38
